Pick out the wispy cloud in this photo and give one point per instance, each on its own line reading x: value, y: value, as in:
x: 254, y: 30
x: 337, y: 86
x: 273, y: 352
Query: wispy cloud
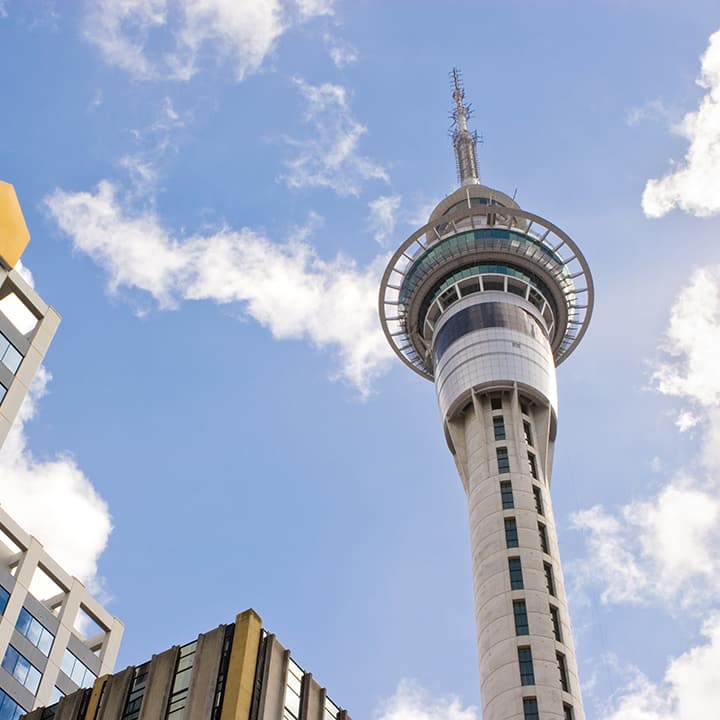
x: 341, y: 52
x: 692, y: 184
x: 651, y: 110
x: 688, y: 690
x: 53, y: 499
x: 286, y: 287
x: 667, y: 547
x: 413, y: 702
x: 130, y: 33
x: 383, y: 218
x: 329, y: 156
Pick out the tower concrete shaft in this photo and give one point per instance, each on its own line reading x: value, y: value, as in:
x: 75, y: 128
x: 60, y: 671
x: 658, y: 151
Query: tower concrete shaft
x: 485, y: 300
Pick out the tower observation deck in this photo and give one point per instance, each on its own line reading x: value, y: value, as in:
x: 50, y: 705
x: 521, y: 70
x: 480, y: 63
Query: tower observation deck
x: 486, y: 300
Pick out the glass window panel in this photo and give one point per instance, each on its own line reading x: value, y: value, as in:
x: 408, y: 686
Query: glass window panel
x: 537, y: 492
x: 516, y: 578
x: 555, y: 615
x: 525, y: 661
x: 530, y: 709
x: 506, y: 494
x: 503, y: 460
x: 549, y: 580
x: 499, y: 427
x: 4, y: 597
x: 521, y: 618
x: 12, y: 359
x: 511, y: 533
x: 4, y: 344
x: 9, y: 709
x: 542, y: 532
x: 562, y: 668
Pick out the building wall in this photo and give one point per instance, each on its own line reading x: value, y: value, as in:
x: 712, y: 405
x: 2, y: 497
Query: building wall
x: 234, y: 672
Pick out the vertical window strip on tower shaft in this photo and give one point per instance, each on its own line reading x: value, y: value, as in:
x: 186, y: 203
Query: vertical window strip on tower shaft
x: 549, y: 579
x: 293, y: 689
x: 503, y: 460
x: 516, y: 577
x: 499, y: 427
x: 542, y: 533
x: 532, y: 465
x: 525, y: 662
x: 521, y: 618
x: 528, y: 433
x: 562, y: 669
x: 555, y: 615
x: 506, y: 495
x: 511, y: 533
x: 222, y: 672
x: 568, y: 713
x: 530, y: 709
x: 537, y: 492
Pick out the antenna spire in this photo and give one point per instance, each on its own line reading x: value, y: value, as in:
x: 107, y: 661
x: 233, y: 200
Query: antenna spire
x: 464, y: 141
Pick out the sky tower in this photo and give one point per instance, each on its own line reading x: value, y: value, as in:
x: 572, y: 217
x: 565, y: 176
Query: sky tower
x: 485, y: 300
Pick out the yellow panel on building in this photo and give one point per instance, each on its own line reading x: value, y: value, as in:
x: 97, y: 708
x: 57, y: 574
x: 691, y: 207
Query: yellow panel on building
x: 14, y: 234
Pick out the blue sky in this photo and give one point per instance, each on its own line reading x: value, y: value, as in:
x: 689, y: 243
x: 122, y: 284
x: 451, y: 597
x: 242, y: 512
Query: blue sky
x: 213, y: 189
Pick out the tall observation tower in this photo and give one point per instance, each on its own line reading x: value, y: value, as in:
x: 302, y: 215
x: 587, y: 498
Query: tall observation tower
x: 485, y: 300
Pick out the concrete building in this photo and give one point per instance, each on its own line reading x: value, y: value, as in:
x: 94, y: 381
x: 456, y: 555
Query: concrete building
x: 27, y: 324
x: 54, y: 637
x: 485, y: 300
x: 234, y: 672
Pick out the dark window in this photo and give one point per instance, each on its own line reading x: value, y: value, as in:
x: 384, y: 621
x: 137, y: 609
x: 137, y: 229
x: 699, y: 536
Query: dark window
x: 499, y: 427
x: 528, y: 432
x: 516, y: 578
x: 532, y: 465
x: 549, y: 579
x: 503, y: 460
x: 507, y: 495
x: 542, y: 532
x: 555, y: 615
x: 530, y: 709
x: 537, y: 492
x: 569, y: 714
x: 4, y: 597
x: 511, y: 533
x: 562, y: 668
x: 137, y: 692
x: 181, y: 681
x: 521, y: 618
x: 527, y: 675
x: 524, y: 407
x: 496, y: 403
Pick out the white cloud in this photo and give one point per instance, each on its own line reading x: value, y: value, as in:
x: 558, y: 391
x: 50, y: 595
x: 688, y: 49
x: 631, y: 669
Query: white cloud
x: 692, y: 185
x: 382, y: 220
x: 286, y: 287
x: 668, y: 546
x: 341, y: 53
x: 329, y: 156
x: 689, y: 689
x: 53, y: 499
x: 127, y: 31
x: 412, y: 702
x: 651, y: 110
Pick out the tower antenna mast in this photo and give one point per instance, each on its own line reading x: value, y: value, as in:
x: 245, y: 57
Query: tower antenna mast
x: 464, y: 141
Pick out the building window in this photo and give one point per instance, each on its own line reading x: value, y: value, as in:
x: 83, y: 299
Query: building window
x: 507, y: 495
x: 568, y: 712
x: 331, y: 710
x: 530, y: 709
x: 511, y: 533
x: 542, y: 532
x: 537, y: 492
x: 516, y: 578
x: 9, y: 709
x: 503, y: 460
x: 555, y: 615
x: 57, y: 695
x: 137, y: 692
x: 9, y: 355
x: 34, y: 631
x: 4, y: 597
x: 496, y: 403
x: 521, y: 618
x: 549, y: 580
x: 562, y: 668
x: 181, y: 682
x: 532, y: 465
x: 527, y: 675
x: 524, y: 407
x: 3, y: 392
x: 528, y: 432
x: 76, y: 670
x: 21, y: 669
x: 499, y: 427
x: 293, y: 688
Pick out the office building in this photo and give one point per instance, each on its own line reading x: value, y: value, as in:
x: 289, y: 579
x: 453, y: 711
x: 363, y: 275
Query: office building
x: 27, y: 324
x: 234, y: 672
x: 54, y: 637
x: 485, y: 300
